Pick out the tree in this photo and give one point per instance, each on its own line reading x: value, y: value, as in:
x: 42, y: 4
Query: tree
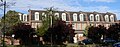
x: 11, y: 19
x: 45, y: 25
x: 53, y: 29
x: 113, y: 32
x: 86, y: 30
x: 95, y: 33
x: 46, y: 21
x: 60, y: 33
x: 24, y: 33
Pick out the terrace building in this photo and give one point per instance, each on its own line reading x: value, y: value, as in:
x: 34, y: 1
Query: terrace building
x: 79, y: 20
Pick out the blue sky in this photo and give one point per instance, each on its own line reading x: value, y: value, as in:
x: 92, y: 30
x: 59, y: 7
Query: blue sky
x: 69, y: 5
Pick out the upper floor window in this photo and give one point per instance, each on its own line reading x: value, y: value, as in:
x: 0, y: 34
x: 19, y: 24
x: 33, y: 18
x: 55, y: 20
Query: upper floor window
x: 91, y: 17
x: 25, y: 17
x: 36, y: 15
x: 97, y: 17
x: 20, y: 16
x: 56, y: 14
x: 112, y: 18
x: 43, y: 15
x: 64, y: 16
x: 74, y: 17
x: 81, y: 16
x: 106, y: 18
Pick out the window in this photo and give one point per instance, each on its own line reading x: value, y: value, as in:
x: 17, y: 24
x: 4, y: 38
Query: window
x: 56, y: 14
x: 106, y: 18
x: 112, y: 18
x: 25, y: 17
x: 91, y: 17
x: 84, y: 26
x: 43, y: 16
x: 81, y: 16
x: 64, y: 16
x: 74, y: 26
x: 97, y: 17
x: 74, y: 17
x: 36, y: 15
x: 79, y: 26
x: 20, y: 16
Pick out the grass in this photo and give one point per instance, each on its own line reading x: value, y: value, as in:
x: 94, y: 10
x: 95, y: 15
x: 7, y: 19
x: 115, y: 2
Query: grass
x: 69, y: 45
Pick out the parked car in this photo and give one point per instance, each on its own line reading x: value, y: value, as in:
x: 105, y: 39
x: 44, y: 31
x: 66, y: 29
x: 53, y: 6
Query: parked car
x: 87, y: 41
x: 109, y: 41
x: 116, y: 44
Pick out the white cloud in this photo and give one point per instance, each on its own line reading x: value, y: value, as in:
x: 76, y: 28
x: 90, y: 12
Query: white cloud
x: 71, y: 5
x: 108, y: 1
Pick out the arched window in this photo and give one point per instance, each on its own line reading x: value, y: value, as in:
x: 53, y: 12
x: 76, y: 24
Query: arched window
x: 81, y: 16
x: 106, y: 18
x: 112, y: 18
x: 36, y: 15
x: 91, y: 17
x: 97, y: 17
x: 64, y: 16
x: 43, y: 16
x: 56, y: 14
x: 24, y: 17
x: 74, y: 17
x: 20, y: 16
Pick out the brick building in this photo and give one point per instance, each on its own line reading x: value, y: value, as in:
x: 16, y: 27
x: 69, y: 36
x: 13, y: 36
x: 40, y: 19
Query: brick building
x: 79, y: 20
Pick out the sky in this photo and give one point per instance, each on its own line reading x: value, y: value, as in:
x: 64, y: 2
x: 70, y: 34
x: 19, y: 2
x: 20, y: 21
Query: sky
x: 68, y: 5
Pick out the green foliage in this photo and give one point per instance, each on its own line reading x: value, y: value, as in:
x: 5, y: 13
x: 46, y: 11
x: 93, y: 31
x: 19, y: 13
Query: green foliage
x: 46, y: 21
x: 11, y: 19
x: 86, y: 30
x: 45, y: 25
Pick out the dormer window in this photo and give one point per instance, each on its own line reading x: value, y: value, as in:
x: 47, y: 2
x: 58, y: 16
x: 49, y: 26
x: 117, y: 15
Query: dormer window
x: 20, y: 16
x: 43, y: 16
x: 25, y: 17
x: 56, y: 14
x: 64, y: 16
x: 112, y: 18
x: 97, y: 17
x: 74, y: 17
x: 91, y: 17
x: 106, y: 18
x: 36, y: 15
x: 81, y: 16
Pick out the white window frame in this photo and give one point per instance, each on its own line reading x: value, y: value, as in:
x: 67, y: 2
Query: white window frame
x: 36, y: 15
x: 20, y: 16
x: 64, y: 16
x: 74, y: 26
x: 91, y: 17
x: 81, y: 16
x: 43, y: 16
x: 97, y: 17
x: 24, y: 17
x: 57, y: 15
x: 74, y: 17
x: 106, y: 18
x: 112, y: 18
